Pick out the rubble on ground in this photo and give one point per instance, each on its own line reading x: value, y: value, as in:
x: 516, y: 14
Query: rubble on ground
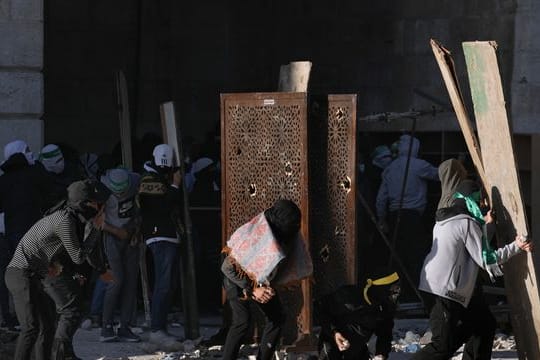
x: 408, y: 342
x: 409, y: 337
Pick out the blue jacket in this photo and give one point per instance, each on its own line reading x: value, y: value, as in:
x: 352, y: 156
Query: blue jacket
x: 420, y: 171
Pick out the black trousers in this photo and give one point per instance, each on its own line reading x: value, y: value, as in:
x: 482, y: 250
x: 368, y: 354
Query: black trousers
x: 412, y: 245
x: 241, y: 318
x: 452, y: 325
x: 36, y: 318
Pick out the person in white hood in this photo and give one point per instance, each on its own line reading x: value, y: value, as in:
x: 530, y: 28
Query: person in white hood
x: 412, y: 241
x: 52, y: 158
x: 23, y: 199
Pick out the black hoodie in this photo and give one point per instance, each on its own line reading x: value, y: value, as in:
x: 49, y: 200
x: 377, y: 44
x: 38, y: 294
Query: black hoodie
x: 23, y: 190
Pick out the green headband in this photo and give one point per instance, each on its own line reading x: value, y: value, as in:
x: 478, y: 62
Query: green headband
x: 119, y: 187
x: 51, y: 154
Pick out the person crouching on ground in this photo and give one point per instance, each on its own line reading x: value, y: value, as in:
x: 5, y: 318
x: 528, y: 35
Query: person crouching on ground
x: 41, y: 269
x: 460, y: 249
x: 262, y: 254
x: 353, y: 313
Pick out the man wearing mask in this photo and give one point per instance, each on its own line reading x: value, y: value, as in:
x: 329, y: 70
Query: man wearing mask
x: 160, y: 200
x: 23, y: 199
x: 121, y: 215
x: 43, y: 268
x: 52, y: 159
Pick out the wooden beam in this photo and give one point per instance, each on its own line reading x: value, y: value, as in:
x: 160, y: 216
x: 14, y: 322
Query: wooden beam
x: 446, y: 65
x: 171, y: 136
x: 123, y: 118
x: 294, y: 77
x: 502, y: 184
x: 535, y: 192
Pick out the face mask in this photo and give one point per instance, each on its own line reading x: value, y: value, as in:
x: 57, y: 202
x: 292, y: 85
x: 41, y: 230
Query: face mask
x: 56, y: 167
x: 88, y: 212
x: 29, y: 157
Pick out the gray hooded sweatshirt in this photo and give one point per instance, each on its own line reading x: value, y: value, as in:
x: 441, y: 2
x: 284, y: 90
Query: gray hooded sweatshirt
x: 420, y: 171
x: 451, y: 173
x: 451, y: 267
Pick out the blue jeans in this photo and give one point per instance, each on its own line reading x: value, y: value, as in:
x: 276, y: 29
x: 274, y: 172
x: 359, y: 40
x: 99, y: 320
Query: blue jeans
x: 98, y: 297
x: 123, y: 260
x: 165, y: 256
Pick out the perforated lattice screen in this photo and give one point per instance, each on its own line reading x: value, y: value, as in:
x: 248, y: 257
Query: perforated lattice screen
x: 333, y: 189
x: 264, y: 158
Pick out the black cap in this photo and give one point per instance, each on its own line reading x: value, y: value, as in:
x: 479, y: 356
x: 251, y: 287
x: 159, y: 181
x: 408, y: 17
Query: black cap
x: 284, y: 218
x: 87, y: 190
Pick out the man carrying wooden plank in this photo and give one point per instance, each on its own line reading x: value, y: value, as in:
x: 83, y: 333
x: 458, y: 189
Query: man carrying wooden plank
x: 460, y: 249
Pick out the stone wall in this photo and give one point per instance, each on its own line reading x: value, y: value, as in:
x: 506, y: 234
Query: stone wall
x: 526, y: 75
x: 21, y: 78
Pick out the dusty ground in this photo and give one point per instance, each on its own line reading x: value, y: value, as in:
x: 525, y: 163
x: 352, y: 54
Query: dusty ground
x: 407, y: 337
x: 88, y: 347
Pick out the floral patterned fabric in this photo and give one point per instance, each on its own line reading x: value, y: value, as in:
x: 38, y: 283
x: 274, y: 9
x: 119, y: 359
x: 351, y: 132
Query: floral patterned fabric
x: 256, y: 251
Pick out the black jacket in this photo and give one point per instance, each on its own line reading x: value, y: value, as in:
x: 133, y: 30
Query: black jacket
x: 345, y: 311
x: 160, y: 205
x: 234, y: 284
x: 23, y: 193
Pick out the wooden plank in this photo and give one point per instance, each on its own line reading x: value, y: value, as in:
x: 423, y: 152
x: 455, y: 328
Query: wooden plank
x: 502, y: 184
x: 172, y: 136
x: 294, y: 77
x: 124, y: 119
x: 535, y: 191
x: 446, y: 65
x: 168, y: 127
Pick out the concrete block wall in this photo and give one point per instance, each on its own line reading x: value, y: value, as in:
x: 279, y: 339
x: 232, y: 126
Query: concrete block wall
x: 526, y: 72
x: 21, y: 77
x: 191, y: 51
x: 86, y: 42
x: 413, y: 66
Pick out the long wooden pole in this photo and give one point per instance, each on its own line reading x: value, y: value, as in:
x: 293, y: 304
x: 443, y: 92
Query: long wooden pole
x: 172, y: 136
x: 446, y: 65
x: 127, y: 160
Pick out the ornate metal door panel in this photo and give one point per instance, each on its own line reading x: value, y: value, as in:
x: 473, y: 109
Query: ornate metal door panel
x: 264, y: 158
x: 332, y: 139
